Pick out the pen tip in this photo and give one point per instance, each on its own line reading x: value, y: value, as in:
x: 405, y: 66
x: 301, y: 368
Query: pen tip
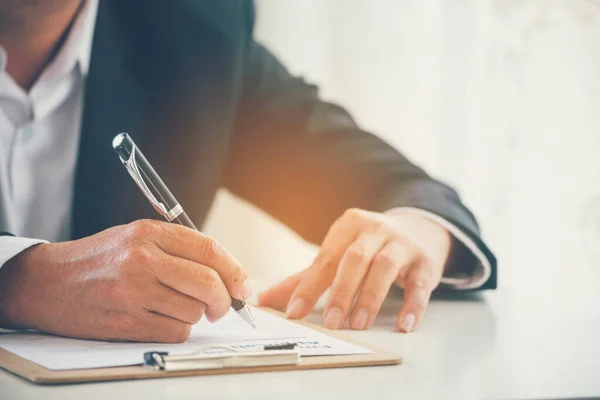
x: 247, y: 316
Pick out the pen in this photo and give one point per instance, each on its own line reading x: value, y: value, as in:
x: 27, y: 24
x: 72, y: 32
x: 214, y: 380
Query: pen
x: 161, y: 198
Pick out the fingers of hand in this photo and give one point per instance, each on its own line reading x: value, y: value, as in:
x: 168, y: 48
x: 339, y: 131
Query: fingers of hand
x: 353, y: 267
x: 171, y: 303
x: 419, y: 284
x: 319, y: 276
x: 202, y: 249
x: 315, y: 282
x: 197, y: 281
x: 153, y: 327
x: 192, y: 245
x: 278, y: 296
x: 141, y: 320
x: 384, y: 269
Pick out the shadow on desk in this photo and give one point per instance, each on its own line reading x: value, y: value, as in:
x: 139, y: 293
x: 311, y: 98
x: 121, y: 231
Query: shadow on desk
x: 461, y: 317
x: 451, y: 315
x: 453, y: 312
x: 446, y: 294
x: 454, y: 295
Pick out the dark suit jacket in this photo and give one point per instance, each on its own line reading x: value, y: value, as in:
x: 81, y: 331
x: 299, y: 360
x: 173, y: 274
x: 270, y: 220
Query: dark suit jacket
x: 211, y: 108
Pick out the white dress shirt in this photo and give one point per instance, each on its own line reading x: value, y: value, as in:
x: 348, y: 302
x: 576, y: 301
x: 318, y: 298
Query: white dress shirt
x: 39, y: 139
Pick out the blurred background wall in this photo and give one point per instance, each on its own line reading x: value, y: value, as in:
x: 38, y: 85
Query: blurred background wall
x: 499, y: 98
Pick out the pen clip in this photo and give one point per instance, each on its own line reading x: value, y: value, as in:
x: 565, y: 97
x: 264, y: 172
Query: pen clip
x: 132, y: 167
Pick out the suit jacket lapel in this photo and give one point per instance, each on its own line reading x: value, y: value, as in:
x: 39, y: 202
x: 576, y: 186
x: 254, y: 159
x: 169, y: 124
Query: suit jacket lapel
x: 113, y: 103
x: 162, y: 75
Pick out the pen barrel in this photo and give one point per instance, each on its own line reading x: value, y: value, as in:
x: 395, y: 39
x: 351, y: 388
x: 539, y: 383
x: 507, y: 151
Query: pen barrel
x: 149, y: 181
x: 155, y: 190
x: 184, y: 220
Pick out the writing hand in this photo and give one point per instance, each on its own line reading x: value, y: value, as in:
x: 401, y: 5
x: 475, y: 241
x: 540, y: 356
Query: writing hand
x: 145, y: 281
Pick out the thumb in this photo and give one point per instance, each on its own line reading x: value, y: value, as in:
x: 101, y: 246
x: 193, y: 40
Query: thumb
x: 278, y: 296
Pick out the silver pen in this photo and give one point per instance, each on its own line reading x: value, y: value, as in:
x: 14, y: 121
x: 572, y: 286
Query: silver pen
x: 161, y: 198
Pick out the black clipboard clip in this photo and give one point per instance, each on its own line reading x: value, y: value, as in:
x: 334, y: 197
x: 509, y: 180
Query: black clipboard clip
x: 224, y: 356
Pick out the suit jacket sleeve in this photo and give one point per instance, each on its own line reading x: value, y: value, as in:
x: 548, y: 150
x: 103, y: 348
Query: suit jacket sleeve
x: 305, y: 161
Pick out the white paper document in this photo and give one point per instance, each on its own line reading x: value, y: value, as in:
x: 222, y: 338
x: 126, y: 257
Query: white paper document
x: 57, y: 353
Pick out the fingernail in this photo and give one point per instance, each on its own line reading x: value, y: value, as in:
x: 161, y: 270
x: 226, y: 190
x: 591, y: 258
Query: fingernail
x: 361, y: 318
x: 407, y: 323
x: 333, y: 317
x: 296, y: 308
x: 246, y: 291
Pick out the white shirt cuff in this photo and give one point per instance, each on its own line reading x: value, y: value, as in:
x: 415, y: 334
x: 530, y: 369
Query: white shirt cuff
x: 482, y: 271
x: 10, y: 246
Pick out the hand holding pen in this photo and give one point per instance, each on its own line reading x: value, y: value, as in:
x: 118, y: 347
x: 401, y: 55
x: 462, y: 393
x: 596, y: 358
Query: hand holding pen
x: 146, y: 281
x: 165, y: 203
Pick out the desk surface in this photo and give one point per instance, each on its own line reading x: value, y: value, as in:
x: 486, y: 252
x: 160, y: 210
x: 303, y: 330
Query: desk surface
x: 497, y: 345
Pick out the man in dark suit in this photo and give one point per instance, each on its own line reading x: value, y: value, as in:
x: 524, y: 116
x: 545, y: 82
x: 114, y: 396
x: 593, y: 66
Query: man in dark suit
x: 82, y: 254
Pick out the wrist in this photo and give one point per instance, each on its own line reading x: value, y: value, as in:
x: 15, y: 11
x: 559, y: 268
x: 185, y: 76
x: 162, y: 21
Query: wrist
x: 434, y: 238
x: 16, y: 287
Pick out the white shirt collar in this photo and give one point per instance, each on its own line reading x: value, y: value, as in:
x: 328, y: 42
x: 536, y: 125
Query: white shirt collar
x: 70, y: 65
x: 77, y: 48
x: 85, y: 25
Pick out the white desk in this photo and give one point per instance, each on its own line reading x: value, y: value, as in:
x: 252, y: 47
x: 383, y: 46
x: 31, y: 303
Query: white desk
x: 469, y: 347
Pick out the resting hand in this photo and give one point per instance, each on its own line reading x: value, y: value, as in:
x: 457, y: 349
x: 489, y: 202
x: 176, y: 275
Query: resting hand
x: 363, y: 254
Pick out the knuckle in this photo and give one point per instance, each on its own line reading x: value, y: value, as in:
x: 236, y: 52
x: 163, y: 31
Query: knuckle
x: 420, y: 283
x: 178, y: 332
x: 210, y: 248
x: 341, y: 295
x: 410, y: 245
x: 323, y: 263
x: 356, y: 254
x: 413, y: 253
x: 141, y: 228
x: 426, y: 261
x: 353, y: 213
x: 134, y: 255
x: 216, y: 256
x: 377, y: 225
x: 197, y: 312
x: 210, y: 279
x: 386, y: 259
x: 357, y: 250
x: 417, y: 305
x: 371, y: 296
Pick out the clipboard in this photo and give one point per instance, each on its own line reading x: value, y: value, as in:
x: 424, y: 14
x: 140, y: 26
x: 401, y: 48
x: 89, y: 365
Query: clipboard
x: 40, y: 375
